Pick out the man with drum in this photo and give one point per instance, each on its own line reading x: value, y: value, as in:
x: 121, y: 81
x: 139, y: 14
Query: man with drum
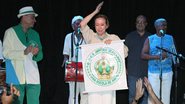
x: 73, y: 61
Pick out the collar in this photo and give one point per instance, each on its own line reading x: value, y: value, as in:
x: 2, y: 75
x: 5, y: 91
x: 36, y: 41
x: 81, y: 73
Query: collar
x: 102, y: 38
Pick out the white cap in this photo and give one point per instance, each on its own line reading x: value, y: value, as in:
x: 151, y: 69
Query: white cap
x: 26, y: 10
x: 75, y: 18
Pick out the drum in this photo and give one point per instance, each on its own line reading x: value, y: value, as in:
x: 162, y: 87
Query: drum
x: 70, y: 72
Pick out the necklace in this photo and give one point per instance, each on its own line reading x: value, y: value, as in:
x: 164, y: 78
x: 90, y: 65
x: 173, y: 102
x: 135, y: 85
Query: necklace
x: 79, y: 40
x: 102, y: 38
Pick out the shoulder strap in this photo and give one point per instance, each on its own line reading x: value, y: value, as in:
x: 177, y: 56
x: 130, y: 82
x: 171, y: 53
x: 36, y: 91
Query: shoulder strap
x: 72, y: 45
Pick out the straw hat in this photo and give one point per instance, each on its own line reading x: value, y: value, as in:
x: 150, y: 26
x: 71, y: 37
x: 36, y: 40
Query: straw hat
x: 25, y: 11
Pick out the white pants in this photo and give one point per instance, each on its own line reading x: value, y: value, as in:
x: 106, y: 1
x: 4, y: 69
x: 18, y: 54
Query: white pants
x: 80, y: 88
x: 166, y: 86
x: 103, y: 97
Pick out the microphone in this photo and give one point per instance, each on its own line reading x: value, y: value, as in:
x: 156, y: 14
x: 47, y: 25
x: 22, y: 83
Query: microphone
x: 181, y: 56
x: 161, y: 32
x: 79, y: 32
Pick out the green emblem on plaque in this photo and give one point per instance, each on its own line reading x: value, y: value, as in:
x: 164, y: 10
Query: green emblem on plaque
x: 103, y: 66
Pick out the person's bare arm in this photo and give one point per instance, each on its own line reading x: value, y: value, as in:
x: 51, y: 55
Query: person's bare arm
x: 145, y: 52
x: 66, y: 58
x: 84, y: 22
x: 148, y: 86
x: 139, y: 91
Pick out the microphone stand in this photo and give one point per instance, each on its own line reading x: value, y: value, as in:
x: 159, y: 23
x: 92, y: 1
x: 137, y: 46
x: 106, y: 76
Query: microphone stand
x: 178, y: 56
x: 175, y: 75
x: 160, y: 76
x: 76, y: 63
x: 76, y: 72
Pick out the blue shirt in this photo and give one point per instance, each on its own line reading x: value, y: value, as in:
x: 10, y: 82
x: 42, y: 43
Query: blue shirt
x: 167, y: 43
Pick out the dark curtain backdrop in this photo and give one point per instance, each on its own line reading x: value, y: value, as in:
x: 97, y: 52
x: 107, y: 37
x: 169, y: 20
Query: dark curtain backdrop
x: 54, y: 22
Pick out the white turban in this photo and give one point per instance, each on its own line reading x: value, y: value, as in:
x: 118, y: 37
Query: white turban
x: 76, y: 18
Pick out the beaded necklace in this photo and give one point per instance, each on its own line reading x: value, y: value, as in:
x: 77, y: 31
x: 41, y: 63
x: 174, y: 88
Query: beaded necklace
x: 79, y: 42
x: 73, y: 40
x: 101, y: 38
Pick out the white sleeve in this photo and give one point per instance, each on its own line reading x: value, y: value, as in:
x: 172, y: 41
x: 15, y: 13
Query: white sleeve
x: 67, y: 45
x: 1, y: 50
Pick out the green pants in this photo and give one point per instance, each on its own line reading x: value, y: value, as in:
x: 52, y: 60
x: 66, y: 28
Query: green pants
x: 32, y: 92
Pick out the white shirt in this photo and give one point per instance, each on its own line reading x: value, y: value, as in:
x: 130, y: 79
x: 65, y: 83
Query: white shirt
x: 67, y: 48
x: 1, y: 50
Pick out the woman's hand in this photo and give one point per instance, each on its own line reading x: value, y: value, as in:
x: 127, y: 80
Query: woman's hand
x: 108, y: 41
x: 98, y: 8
